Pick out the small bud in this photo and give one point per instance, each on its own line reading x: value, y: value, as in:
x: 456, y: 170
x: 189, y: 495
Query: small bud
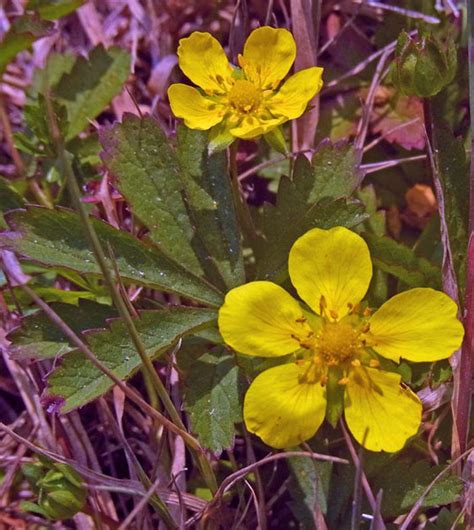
x: 423, y: 65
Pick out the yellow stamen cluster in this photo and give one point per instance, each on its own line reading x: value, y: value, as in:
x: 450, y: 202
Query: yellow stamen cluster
x: 244, y: 96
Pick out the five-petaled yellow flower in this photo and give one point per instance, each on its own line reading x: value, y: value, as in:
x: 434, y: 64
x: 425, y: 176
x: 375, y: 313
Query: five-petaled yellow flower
x: 336, y: 349
x: 243, y: 102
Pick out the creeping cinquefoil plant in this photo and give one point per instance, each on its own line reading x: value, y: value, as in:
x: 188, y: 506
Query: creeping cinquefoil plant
x: 341, y: 352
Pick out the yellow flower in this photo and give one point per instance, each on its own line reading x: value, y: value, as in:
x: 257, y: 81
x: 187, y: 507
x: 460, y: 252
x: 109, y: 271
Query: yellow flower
x: 336, y: 363
x: 243, y: 102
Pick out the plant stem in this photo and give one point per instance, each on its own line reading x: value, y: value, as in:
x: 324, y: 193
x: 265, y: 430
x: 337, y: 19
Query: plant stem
x: 99, y: 255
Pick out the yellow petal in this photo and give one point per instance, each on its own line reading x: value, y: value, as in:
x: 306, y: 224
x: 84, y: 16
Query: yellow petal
x: 197, y: 111
x: 419, y: 325
x: 331, y: 268
x: 380, y: 413
x: 281, y: 410
x: 202, y: 59
x: 268, y: 56
x: 262, y: 319
x: 251, y: 127
x: 296, y: 92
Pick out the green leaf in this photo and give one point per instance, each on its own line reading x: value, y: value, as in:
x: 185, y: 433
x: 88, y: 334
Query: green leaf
x: 213, y: 394
x: 9, y: 198
x: 308, y: 487
x: 403, y: 484
x: 38, y: 337
x: 57, y: 65
x: 54, y: 9
x: 402, y: 262
x: 56, y: 238
x: 77, y: 381
x: 211, y: 208
x: 332, y: 173
x: 316, y: 197
x: 137, y: 152
x: 23, y: 32
x: 91, y: 85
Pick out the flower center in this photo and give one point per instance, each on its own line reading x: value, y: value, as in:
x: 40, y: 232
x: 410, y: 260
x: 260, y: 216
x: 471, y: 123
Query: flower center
x: 337, y: 343
x: 244, y: 96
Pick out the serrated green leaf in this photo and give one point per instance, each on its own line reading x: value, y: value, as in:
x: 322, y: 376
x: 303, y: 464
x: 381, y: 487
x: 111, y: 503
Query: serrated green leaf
x: 403, y: 484
x: 211, y: 208
x: 402, y: 262
x: 23, y: 32
x: 77, y: 381
x: 213, y: 394
x: 316, y: 197
x: 138, y: 153
x: 54, y: 9
x: 91, y: 85
x: 56, y: 238
x: 38, y: 337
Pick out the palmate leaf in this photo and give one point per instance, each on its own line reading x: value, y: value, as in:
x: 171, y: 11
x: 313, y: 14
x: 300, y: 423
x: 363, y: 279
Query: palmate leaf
x: 315, y: 198
x: 213, y: 393
x: 77, y: 381
x: 39, y: 338
x: 56, y: 238
x: 183, y: 196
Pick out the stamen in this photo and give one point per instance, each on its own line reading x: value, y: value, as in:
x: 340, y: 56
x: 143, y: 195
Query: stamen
x: 322, y: 304
x: 373, y: 363
x: 355, y: 363
x: 343, y: 381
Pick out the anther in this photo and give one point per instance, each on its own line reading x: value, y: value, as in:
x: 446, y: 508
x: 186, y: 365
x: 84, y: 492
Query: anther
x: 343, y: 381
x: 355, y: 363
x: 373, y: 363
x: 333, y: 314
x: 322, y: 304
x: 323, y: 380
x: 366, y: 328
x: 367, y: 312
x: 301, y: 320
